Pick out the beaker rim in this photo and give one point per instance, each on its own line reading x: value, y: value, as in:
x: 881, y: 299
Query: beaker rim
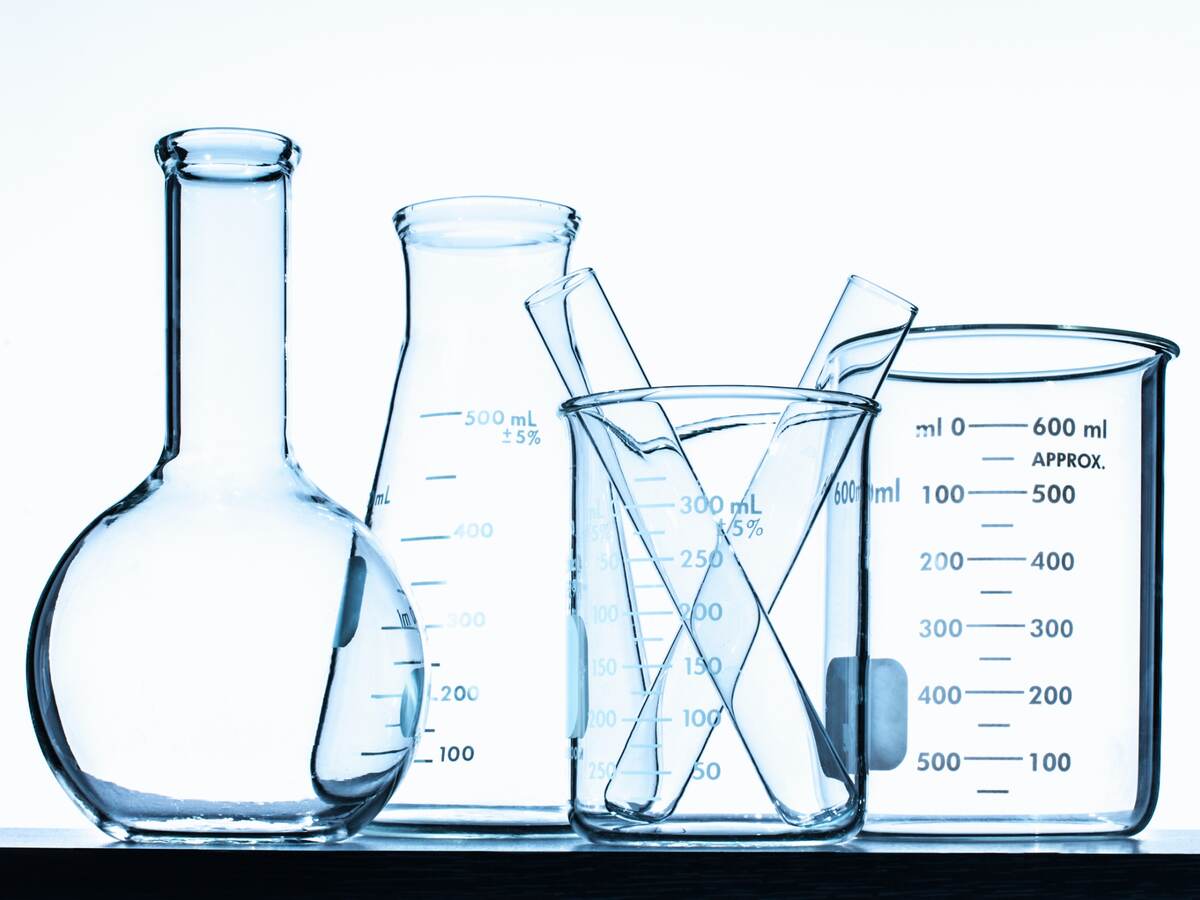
x: 227, y: 152
x: 668, y: 393
x: 982, y: 366
x: 485, y: 221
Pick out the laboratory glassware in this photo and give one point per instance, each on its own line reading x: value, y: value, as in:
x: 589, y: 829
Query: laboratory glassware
x: 780, y: 696
x: 592, y: 353
x: 466, y: 502
x: 1016, y: 563
x: 225, y: 653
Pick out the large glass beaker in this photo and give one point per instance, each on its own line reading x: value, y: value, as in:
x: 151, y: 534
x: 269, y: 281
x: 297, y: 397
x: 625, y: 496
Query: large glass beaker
x: 463, y: 503
x: 1016, y: 580
x: 224, y: 653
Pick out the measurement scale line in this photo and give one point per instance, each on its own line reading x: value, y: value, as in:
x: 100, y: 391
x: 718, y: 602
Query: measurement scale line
x: 996, y: 525
x: 435, y: 415
x: 426, y: 537
x: 652, y: 506
x: 440, y: 477
x: 995, y: 659
x: 655, y: 612
x: 994, y: 725
x: 995, y: 624
x: 648, y: 587
x: 651, y: 478
x: 422, y: 760
x: 995, y: 592
x: 382, y: 752
x: 407, y: 662
x: 647, y: 772
x: 997, y: 492
x: 993, y: 692
x: 998, y: 458
x: 634, y: 559
x: 385, y: 696
x: 998, y: 425
x: 403, y: 627
x: 639, y: 719
x: 993, y: 758
x: 992, y: 791
x: 645, y: 666
x: 997, y: 558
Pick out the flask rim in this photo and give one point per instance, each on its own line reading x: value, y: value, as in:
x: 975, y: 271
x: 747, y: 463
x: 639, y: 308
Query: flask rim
x: 227, y: 153
x: 485, y: 222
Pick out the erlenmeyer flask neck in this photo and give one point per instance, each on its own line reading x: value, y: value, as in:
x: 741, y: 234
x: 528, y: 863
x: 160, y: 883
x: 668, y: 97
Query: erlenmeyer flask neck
x: 471, y: 260
x: 227, y: 195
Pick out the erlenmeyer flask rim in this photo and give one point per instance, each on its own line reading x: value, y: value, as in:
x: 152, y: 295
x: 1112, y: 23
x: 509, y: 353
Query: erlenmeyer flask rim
x: 485, y: 222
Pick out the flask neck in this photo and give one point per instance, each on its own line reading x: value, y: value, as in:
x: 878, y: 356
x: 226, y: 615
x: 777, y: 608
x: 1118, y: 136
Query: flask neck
x: 452, y: 291
x: 226, y: 319
x: 472, y: 261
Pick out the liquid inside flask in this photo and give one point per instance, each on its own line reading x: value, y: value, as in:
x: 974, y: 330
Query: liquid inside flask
x: 225, y: 653
x: 472, y: 500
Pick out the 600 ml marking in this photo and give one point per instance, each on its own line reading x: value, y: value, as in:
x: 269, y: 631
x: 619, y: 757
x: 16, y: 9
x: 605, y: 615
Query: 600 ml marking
x: 848, y: 492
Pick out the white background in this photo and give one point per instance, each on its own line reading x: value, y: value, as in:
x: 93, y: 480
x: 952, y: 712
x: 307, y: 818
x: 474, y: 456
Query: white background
x: 733, y: 163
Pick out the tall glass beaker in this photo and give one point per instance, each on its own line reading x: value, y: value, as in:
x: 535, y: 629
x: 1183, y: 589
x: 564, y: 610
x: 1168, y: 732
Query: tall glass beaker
x: 462, y: 501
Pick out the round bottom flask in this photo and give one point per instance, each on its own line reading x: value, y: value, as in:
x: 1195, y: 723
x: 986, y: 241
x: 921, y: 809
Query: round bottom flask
x: 225, y: 653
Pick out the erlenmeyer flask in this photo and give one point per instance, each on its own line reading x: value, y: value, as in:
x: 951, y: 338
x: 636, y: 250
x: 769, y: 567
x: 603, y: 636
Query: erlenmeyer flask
x: 470, y: 498
x: 224, y: 652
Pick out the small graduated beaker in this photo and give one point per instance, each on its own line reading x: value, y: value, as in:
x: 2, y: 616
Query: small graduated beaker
x: 225, y: 653
x: 466, y: 501
x: 1016, y: 567
x: 642, y: 701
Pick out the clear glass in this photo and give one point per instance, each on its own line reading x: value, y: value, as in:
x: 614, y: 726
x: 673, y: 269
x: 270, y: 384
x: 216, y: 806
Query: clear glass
x: 467, y: 502
x: 666, y: 534
x: 204, y: 662
x: 592, y: 353
x: 1016, y: 486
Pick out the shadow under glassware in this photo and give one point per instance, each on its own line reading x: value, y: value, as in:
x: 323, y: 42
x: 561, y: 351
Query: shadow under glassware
x: 225, y: 654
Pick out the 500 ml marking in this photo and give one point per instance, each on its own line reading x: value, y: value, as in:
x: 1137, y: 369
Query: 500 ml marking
x: 512, y: 428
